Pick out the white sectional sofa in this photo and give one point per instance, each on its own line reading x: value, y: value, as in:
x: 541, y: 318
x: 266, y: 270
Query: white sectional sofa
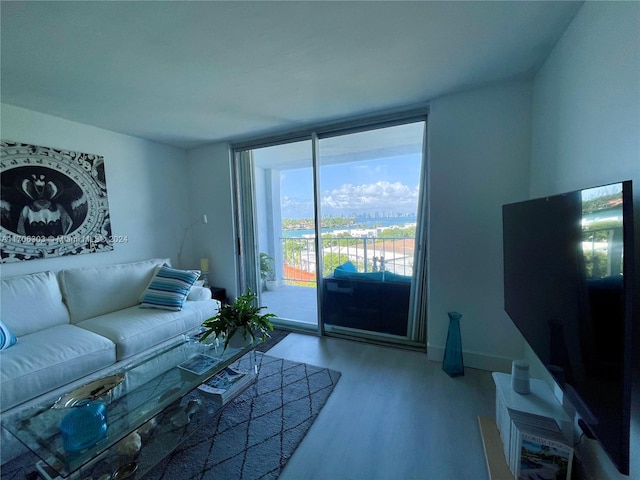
x: 78, y: 324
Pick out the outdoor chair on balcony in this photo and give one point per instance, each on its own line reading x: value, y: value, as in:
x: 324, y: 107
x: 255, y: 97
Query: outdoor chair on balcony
x: 373, y: 301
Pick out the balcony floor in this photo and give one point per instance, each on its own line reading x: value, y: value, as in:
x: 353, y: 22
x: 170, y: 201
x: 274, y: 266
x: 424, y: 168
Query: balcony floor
x: 293, y: 303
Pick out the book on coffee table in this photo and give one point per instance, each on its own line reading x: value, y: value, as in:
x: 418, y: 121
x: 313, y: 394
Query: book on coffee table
x: 226, y: 385
x: 199, y: 364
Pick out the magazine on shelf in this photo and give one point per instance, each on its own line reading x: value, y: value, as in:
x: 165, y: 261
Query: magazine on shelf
x: 547, y: 424
x: 199, y: 364
x: 503, y: 422
x: 540, y: 454
x: 226, y: 384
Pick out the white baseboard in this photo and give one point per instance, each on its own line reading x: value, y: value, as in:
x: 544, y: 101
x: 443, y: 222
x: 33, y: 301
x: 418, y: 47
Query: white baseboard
x: 481, y: 361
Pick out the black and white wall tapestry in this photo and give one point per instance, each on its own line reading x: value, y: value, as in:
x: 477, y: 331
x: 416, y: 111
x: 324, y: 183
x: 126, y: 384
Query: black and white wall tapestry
x: 54, y: 203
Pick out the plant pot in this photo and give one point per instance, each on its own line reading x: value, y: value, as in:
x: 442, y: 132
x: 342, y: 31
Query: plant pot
x: 238, y: 341
x: 271, y: 285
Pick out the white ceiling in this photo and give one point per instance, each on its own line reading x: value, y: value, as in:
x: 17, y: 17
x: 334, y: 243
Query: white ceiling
x: 189, y: 73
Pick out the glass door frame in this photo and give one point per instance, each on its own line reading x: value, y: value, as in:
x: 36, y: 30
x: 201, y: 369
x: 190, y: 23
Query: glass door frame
x: 418, y: 302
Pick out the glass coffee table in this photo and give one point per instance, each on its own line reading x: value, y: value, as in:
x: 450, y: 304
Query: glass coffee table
x: 151, y: 401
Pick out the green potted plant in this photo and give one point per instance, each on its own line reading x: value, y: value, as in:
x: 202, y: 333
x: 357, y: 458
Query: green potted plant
x: 266, y: 266
x: 267, y: 271
x: 241, y: 320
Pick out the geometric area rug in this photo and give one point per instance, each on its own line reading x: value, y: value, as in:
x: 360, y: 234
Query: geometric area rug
x: 252, y: 437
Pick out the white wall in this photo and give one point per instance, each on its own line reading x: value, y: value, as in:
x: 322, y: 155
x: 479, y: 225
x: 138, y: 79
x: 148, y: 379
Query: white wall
x: 586, y: 102
x: 211, y: 193
x: 586, y: 132
x: 146, y: 186
x: 479, y: 154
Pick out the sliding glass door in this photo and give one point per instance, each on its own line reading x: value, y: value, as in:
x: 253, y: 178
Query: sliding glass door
x: 285, y: 231
x: 334, y: 225
x: 370, y: 184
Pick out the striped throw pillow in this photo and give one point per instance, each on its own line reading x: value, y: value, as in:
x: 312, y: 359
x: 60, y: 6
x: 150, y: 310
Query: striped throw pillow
x: 7, y: 338
x: 169, y: 288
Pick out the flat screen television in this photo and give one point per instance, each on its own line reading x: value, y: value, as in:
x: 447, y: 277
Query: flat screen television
x: 568, y: 287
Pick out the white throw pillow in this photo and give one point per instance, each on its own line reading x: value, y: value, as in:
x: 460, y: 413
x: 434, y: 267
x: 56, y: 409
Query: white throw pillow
x: 199, y: 294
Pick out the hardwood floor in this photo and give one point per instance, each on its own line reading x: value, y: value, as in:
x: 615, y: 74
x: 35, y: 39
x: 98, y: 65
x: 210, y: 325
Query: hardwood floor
x: 393, y: 415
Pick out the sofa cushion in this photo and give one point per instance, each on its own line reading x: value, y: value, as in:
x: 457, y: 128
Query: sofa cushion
x: 395, y: 277
x: 169, y: 288
x: 45, y: 360
x: 135, y: 329
x: 93, y: 291
x: 350, y: 271
x: 31, y: 303
x: 346, y: 267
x: 374, y: 276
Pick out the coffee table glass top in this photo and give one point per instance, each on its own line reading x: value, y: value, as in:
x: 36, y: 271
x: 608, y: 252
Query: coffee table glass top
x: 149, y: 386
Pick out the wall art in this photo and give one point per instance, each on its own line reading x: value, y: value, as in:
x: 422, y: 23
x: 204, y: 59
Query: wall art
x: 53, y: 203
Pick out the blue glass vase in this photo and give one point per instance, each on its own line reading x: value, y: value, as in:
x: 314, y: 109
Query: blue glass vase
x: 83, y: 426
x: 452, y: 363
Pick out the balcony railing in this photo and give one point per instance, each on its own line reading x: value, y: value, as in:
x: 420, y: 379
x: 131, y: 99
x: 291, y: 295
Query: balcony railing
x: 368, y: 254
x: 602, y: 249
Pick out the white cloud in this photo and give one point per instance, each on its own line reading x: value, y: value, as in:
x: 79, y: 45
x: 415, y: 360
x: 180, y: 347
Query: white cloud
x: 380, y: 195
x: 348, y: 199
x: 296, y: 207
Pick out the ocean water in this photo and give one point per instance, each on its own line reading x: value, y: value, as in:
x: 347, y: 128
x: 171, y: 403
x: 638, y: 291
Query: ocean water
x: 360, y: 224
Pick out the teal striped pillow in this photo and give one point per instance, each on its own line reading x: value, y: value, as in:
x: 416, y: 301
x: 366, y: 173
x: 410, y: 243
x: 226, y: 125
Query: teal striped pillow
x: 169, y: 288
x: 7, y: 338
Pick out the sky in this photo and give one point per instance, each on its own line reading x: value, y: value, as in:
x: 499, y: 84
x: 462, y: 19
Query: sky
x: 591, y: 193
x: 370, y: 186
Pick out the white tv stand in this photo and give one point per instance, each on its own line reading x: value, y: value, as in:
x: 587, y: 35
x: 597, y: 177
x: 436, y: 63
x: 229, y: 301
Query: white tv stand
x: 541, y: 401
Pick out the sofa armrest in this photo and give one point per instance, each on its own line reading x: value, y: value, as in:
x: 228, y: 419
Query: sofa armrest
x: 198, y: 294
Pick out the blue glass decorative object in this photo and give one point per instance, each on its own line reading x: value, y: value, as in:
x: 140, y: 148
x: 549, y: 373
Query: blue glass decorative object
x: 84, y: 426
x: 452, y: 363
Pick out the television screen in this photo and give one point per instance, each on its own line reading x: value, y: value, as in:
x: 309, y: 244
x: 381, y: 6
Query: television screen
x: 567, y: 287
